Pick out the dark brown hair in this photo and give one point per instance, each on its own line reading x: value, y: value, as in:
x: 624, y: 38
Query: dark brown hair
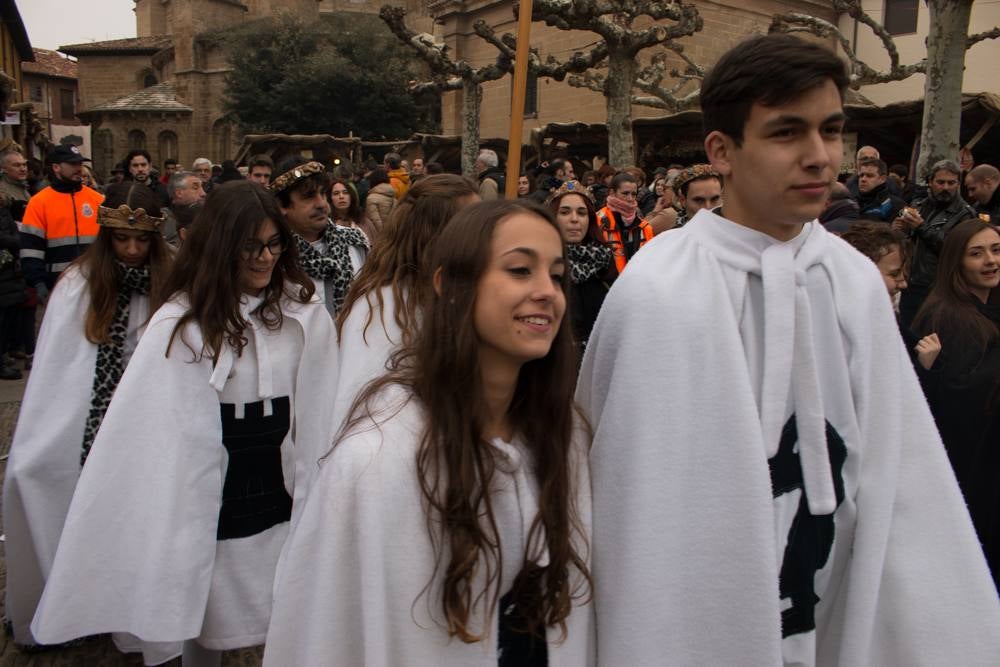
x: 594, y: 234
x: 875, y: 240
x: 951, y: 307
x: 456, y: 466
x: 209, y: 266
x: 354, y: 209
x: 768, y: 69
x: 399, y: 257
x: 99, y: 265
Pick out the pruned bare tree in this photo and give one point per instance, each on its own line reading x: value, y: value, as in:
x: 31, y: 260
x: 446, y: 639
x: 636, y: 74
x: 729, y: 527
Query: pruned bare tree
x: 947, y: 42
x: 613, y: 20
x: 449, y: 74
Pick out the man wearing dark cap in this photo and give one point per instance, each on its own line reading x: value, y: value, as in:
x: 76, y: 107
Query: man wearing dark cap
x: 60, y: 221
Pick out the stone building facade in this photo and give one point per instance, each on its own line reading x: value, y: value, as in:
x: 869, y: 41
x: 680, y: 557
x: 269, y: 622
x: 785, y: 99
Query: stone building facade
x: 50, y: 85
x: 164, y: 89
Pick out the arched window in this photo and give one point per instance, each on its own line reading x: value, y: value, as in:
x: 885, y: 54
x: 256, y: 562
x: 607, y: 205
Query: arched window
x: 136, y: 140
x: 146, y: 78
x: 104, y: 152
x: 166, y: 145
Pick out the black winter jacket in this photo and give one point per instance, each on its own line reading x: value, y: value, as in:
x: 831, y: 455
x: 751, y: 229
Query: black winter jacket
x: 929, y: 237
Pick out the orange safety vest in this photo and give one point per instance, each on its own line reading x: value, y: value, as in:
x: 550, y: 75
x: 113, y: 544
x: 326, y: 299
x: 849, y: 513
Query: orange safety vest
x: 613, y: 235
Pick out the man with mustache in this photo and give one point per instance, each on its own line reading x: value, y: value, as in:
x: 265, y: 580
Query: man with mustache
x: 927, y: 224
x: 329, y: 253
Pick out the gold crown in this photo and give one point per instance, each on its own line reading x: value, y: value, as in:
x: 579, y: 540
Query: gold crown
x: 290, y: 177
x: 570, y: 188
x: 124, y: 217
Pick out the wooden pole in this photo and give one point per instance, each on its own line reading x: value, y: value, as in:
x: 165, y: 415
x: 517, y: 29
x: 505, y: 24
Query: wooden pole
x: 518, y: 91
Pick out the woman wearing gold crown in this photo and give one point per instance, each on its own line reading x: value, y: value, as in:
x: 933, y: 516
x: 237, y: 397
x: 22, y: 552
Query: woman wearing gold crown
x: 92, y: 325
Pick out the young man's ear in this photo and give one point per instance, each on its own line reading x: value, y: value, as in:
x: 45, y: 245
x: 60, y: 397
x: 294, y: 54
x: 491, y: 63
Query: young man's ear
x: 719, y: 148
x: 436, y: 280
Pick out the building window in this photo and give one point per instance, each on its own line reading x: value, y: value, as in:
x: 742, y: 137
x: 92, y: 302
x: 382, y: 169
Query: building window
x: 531, y: 97
x: 136, y: 140
x: 901, y: 16
x: 67, y: 104
x: 104, y: 152
x: 37, y: 95
x: 167, y: 145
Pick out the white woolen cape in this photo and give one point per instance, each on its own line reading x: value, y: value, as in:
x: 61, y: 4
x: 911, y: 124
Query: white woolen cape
x: 139, y: 551
x: 44, y: 462
x: 686, y: 539
x: 352, y: 583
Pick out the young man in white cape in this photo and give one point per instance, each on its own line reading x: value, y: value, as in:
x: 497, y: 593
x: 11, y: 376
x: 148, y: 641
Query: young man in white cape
x: 790, y: 502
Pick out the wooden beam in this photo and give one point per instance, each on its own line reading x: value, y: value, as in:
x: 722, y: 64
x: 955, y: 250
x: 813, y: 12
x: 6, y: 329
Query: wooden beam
x: 518, y: 92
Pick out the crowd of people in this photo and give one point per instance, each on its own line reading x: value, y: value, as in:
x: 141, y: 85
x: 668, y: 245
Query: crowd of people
x: 732, y: 413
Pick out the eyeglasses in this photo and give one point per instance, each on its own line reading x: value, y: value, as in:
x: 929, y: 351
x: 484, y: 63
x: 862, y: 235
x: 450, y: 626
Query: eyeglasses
x: 255, y: 249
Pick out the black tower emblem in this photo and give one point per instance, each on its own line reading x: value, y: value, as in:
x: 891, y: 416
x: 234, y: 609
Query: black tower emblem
x: 810, y: 539
x: 254, y: 496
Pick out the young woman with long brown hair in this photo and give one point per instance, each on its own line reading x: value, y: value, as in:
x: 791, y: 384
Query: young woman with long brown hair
x: 964, y: 390
x: 449, y: 523
x: 381, y: 310
x: 93, y: 321
x: 187, y: 495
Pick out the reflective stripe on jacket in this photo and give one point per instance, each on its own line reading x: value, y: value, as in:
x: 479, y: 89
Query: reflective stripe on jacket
x: 56, y: 229
x: 613, y: 235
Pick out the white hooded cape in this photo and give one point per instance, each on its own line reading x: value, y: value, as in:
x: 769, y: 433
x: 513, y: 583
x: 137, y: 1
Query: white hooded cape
x: 44, y: 462
x: 350, y: 587
x: 706, y: 345
x: 139, y: 551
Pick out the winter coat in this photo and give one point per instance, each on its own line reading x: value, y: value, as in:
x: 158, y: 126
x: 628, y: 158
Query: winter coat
x: 991, y: 208
x: 929, y: 237
x: 379, y: 204
x: 12, y: 287
x: 880, y: 204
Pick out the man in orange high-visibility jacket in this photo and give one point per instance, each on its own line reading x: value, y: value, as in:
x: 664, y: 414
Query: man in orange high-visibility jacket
x: 621, y: 222
x: 59, y: 222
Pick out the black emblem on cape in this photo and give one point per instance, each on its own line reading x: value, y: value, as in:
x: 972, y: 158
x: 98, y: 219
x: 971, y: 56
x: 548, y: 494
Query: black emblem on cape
x: 810, y: 538
x: 254, y: 496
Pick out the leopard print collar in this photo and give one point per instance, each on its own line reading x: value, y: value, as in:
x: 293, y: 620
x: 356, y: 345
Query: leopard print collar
x: 110, y: 356
x: 335, y: 264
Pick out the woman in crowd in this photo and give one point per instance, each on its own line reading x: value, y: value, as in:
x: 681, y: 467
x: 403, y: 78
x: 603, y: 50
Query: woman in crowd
x: 589, y: 258
x: 964, y: 394
x: 449, y: 524
x: 90, y: 180
x: 523, y: 185
x: 345, y: 207
x: 601, y: 188
x: 93, y: 321
x: 381, y: 199
x: 381, y: 310
x: 184, y: 504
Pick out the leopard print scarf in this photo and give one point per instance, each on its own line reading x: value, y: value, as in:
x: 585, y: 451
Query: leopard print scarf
x: 335, y: 265
x: 109, y: 368
x: 587, y: 260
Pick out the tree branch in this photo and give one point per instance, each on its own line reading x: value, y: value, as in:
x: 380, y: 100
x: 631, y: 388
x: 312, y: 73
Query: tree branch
x: 862, y: 74
x: 588, y: 80
x: 981, y: 37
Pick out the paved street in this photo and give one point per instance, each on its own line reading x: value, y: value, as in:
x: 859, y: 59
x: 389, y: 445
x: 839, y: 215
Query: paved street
x: 96, y: 652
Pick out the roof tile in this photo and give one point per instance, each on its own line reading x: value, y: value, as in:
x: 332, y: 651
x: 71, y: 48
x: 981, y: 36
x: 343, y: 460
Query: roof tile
x: 50, y: 63
x: 148, y: 44
x: 161, y: 97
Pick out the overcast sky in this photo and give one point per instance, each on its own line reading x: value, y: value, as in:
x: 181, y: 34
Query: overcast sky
x: 53, y: 23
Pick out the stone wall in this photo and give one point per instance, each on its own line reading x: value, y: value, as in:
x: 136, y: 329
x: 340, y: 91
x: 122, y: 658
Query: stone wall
x: 104, y: 78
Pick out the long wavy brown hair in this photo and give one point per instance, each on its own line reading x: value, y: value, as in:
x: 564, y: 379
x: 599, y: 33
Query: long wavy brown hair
x: 209, y: 265
x: 100, y: 266
x: 401, y: 251
x: 456, y: 466
x: 950, y: 306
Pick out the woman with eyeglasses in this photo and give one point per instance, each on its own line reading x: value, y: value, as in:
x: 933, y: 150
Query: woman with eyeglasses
x: 175, y: 529
x: 92, y: 324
